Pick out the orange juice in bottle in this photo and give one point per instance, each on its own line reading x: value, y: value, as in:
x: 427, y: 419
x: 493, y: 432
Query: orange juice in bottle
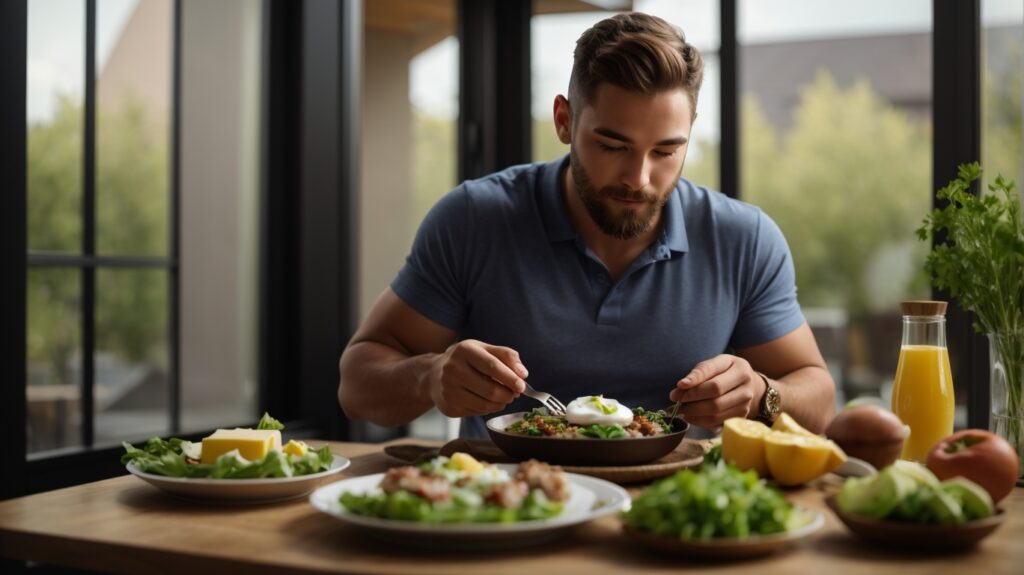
x: 922, y: 395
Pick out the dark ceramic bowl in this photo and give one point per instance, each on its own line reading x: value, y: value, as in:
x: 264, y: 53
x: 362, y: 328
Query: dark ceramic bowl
x: 584, y: 451
x: 905, y: 535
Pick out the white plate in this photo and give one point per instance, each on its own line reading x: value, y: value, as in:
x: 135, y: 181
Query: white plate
x: 239, y: 491
x: 589, y: 498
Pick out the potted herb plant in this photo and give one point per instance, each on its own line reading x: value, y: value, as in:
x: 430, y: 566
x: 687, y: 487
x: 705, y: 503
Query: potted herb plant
x: 979, y: 259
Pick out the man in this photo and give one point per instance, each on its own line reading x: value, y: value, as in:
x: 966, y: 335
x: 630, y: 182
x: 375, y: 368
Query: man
x: 604, y: 272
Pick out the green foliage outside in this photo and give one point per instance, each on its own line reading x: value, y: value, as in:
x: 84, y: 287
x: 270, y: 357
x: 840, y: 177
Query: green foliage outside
x: 435, y: 163
x: 1001, y: 115
x: 131, y: 219
x: 848, y: 185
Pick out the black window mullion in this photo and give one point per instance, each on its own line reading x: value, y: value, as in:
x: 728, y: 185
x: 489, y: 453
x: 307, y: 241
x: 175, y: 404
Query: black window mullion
x: 174, y: 275
x: 88, y: 295
x: 729, y: 140
x: 13, y: 239
x: 327, y: 197
x: 495, y: 123
x: 956, y: 116
x: 279, y: 213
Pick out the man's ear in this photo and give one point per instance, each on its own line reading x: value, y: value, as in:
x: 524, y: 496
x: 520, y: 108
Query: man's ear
x: 563, y: 119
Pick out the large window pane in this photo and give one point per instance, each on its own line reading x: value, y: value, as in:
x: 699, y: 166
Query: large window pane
x: 56, y: 41
x: 699, y: 20
x: 836, y: 147
x: 434, y: 97
x: 54, y: 359
x: 1002, y: 38
x: 133, y: 94
x: 553, y: 40
x: 219, y: 212
x: 131, y: 390
x: 410, y: 113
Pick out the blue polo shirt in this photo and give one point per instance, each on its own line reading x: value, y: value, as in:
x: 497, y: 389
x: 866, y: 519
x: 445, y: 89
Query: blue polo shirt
x: 498, y: 260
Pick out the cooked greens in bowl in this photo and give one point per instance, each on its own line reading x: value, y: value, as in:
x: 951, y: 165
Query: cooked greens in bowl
x: 540, y: 422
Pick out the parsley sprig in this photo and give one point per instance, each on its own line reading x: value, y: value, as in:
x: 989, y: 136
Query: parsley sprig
x: 979, y: 258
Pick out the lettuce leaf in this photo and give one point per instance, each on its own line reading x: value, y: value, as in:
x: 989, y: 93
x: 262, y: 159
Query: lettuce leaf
x: 267, y: 422
x: 313, y: 461
x: 233, y: 466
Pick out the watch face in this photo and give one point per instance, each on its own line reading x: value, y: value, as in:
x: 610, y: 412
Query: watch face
x: 774, y: 401
x: 772, y: 404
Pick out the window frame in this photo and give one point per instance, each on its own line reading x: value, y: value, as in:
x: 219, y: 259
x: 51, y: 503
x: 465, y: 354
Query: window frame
x: 88, y: 262
x: 309, y: 101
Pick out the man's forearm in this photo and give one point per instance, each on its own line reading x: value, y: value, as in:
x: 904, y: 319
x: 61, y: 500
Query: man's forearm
x: 808, y: 394
x: 383, y: 385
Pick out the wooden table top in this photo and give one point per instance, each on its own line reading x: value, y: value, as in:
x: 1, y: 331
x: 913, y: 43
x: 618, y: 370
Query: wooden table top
x: 124, y: 525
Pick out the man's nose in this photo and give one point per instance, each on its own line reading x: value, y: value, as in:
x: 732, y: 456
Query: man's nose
x: 637, y: 172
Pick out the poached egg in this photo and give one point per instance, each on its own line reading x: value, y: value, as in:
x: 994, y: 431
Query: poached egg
x: 591, y: 409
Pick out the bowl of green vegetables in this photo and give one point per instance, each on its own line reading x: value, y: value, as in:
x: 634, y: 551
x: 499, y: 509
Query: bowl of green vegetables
x: 717, y: 512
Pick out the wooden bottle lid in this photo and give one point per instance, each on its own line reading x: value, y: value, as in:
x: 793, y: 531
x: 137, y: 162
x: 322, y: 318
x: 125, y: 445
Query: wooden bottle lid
x: 923, y: 307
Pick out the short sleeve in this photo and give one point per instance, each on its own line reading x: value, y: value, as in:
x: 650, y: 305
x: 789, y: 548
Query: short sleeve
x: 769, y: 308
x: 432, y: 279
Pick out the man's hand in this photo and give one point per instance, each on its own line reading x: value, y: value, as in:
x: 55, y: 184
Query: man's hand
x: 475, y: 378
x: 719, y: 388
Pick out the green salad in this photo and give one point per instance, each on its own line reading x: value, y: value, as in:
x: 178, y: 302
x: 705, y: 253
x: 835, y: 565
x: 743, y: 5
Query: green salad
x: 716, y: 500
x: 540, y: 423
x: 177, y: 457
x: 463, y: 490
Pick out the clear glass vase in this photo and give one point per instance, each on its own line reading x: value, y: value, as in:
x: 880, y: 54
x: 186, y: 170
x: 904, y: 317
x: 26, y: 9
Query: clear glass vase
x: 1006, y: 362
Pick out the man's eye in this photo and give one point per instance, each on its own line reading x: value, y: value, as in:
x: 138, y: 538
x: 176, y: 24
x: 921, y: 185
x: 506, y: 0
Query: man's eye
x: 661, y: 154
x: 608, y: 148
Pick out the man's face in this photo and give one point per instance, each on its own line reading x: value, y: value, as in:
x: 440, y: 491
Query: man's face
x: 626, y: 155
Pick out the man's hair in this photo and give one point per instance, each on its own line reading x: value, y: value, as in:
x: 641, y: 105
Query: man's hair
x: 636, y: 52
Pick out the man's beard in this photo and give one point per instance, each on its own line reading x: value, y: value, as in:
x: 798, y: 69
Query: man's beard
x: 630, y: 222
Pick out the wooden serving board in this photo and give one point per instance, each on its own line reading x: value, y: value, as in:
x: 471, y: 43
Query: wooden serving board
x: 690, y: 453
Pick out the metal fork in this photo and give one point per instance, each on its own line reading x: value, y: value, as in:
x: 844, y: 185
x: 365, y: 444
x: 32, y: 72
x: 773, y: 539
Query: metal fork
x: 672, y: 416
x: 551, y: 402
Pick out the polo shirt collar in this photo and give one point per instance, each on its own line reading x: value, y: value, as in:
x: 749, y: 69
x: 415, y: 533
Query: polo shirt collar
x: 559, y: 228
x: 673, y: 231
x: 556, y: 217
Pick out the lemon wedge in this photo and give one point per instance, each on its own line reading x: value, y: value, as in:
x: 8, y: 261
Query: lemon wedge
x: 795, y: 459
x: 743, y: 444
x: 785, y: 422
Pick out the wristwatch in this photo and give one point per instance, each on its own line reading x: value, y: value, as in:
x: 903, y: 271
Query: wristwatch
x: 771, y: 402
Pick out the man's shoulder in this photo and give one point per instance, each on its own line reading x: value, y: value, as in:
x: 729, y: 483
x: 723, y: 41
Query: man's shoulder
x: 713, y: 208
x: 508, y: 185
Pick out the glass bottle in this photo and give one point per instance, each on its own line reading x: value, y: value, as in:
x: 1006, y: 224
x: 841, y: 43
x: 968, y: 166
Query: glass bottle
x: 922, y: 395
